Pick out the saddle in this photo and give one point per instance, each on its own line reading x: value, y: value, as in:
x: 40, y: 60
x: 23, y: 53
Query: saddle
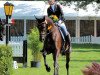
x: 55, y: 20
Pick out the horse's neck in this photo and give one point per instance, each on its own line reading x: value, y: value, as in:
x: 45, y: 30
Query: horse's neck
x: 50, y: 22
x: 54, y: 29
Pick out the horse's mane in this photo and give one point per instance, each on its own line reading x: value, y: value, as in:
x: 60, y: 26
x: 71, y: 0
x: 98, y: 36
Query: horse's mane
x: 49, y: 20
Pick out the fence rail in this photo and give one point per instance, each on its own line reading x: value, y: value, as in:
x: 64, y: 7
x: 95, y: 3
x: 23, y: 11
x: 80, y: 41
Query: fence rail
x: 81, y: 40
x: 19, y: 49
x: 17, y: 38
x: 86, y: 39
x: 17, y: 45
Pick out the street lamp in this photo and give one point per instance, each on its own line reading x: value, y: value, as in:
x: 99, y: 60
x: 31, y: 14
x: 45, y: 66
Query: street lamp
x: 8, y: 8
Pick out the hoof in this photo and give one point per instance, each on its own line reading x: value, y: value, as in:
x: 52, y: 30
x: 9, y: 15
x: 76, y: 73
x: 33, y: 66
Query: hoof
x: 63, y: 52
x: 56, y: 74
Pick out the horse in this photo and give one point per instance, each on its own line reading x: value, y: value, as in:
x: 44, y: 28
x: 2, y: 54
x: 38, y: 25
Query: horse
x: 51, y: 37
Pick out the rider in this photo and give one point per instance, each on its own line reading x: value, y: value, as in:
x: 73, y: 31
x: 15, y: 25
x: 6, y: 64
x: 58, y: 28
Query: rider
x: 55, y: 9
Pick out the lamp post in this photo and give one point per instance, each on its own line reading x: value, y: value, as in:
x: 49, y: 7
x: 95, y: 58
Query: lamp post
x: 8, y: 8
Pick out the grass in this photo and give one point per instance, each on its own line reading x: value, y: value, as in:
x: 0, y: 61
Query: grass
x: 81, y: 56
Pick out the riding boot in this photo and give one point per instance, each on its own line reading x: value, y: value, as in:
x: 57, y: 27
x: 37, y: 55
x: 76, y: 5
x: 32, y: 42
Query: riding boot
x: 63, y: 49
x: 67, y: 40
x: 65, y: 33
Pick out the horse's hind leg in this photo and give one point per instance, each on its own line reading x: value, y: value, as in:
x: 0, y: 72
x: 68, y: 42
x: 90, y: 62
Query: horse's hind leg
x: 46, y: 65
x: 68, y: 57
x: 67, y: 62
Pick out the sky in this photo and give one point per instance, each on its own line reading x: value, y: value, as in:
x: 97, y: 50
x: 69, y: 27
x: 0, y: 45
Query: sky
x: 31, y: 8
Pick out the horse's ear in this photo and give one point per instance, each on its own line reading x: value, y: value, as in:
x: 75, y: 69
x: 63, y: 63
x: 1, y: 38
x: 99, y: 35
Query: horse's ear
x: 37, y: 20
x: 44, y: 18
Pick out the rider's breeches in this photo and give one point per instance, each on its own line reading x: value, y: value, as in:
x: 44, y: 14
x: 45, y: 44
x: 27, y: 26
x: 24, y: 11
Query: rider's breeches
x: 63, y: 27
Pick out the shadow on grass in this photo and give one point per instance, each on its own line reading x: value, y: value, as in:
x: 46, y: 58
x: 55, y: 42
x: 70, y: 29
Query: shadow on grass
x: 86, y: 50
x: 88, y: 46
x: 75, y: 60
x: 85, y: 60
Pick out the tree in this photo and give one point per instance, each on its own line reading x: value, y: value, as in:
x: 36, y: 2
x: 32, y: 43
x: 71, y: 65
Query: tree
x: 81, y: 4
x: 78, y: 3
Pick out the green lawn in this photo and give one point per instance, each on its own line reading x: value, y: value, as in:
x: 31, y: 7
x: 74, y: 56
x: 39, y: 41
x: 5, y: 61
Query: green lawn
x: 81, y: 56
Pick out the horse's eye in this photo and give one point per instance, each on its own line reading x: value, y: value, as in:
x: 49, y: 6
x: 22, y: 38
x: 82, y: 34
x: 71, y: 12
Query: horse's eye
x: 43, y: 26
x: 39, y: 26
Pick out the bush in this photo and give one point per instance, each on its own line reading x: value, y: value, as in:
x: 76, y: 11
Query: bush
x: 5, y: 60
x: 34, y: 44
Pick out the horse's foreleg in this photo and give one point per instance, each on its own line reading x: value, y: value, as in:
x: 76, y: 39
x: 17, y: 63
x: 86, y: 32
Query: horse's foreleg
x: 46, y: 65
x: 67, y: 62
x: 68, y: 46
x: 56, y: 67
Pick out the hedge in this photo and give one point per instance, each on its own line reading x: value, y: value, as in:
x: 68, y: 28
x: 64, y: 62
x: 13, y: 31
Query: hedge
x: 5, y: 60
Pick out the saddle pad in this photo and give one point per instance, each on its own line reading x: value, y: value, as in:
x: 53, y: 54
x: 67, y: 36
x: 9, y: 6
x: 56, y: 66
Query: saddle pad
x: 62, y: 33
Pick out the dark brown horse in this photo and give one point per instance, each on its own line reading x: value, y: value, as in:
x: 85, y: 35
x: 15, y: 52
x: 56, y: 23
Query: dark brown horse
x: 50, y: 35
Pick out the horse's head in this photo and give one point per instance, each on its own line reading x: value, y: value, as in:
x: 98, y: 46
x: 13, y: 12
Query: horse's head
x: 41, y: 25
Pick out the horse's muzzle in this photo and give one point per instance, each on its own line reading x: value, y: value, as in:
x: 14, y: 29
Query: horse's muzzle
x: 42, y: 37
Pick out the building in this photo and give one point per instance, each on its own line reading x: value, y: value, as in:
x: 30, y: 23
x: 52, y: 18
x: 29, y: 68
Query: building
x: 24, y: 16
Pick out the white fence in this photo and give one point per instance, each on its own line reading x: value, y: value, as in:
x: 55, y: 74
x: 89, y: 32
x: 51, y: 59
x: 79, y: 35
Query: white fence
x: 17, y: 39
x: 96, y: 40
x: 17, y: 45
x: 83, y: 39
x: 17, y: 48
x: 86, y: 39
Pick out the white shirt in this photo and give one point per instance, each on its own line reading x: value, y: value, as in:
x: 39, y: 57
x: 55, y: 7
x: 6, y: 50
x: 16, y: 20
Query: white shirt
x: 53, y: 7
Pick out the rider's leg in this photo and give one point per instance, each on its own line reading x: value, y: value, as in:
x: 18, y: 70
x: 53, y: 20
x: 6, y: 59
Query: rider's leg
x: 64, y: 29
x: 66, y: 33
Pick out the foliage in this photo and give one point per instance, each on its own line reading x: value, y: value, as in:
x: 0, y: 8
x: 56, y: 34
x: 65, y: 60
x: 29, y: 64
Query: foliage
x: 80, y: 4
x: 5, y: 60
x: 34, y: 44
x: 54, y: 18
x: 83, y: 4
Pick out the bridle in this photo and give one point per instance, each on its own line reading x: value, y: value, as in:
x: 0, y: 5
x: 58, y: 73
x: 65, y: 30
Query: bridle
x: 48, y: 28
